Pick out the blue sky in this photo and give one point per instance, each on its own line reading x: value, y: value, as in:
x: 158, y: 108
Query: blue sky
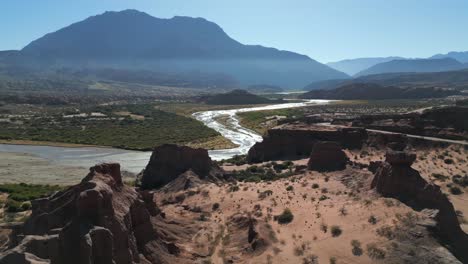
x: 326, y: 30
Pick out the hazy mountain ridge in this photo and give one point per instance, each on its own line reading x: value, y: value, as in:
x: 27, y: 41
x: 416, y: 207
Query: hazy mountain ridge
x: 372, y: 91
x: 353, y: 66
x: 461, y: 56
x: 135, y: 40
x: 413, y: 65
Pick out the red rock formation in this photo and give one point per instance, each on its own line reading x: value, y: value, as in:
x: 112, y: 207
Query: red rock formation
x: 297, y: 140
x: 169, y: 161
x: 327, y: 156
x: 100, y: 220
x: 395, y: 178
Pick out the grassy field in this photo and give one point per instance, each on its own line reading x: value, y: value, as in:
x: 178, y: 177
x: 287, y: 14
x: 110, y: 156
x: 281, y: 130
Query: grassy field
x: 139, y: 127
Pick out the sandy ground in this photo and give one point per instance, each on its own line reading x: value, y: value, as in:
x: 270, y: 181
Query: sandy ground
x: 21, y: 167
x: 304, y: 236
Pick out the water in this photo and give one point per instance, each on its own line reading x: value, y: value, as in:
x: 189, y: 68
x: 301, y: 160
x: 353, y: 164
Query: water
x: 135, y: 161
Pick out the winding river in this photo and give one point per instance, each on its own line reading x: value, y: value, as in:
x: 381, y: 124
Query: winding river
x: 135, y: 161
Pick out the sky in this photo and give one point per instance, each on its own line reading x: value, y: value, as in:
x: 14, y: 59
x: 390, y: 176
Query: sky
x: 325, y: 30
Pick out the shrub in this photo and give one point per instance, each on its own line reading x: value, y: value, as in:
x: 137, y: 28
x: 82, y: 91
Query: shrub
x: 289, y: 188
x: 386, y: 231
x: 323, y: 197
x: 315, y: 186
x: 286, y: 217
x: 455, y: 190
x: 357, y: 250
x: 460, y: 180
x: 374, y: 252
x: 13, y: 206
x: 215, y: 206
x: 372, y: 219
x: 336, y: 231
x: 26, y: 206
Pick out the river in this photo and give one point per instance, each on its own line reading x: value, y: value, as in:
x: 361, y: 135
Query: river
x: 135, y: 161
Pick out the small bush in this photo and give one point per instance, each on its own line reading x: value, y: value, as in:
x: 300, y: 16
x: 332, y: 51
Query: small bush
x: 372, y: 220
x: 286, y: 217
x: 357, y: 250
x: 455, y: 190
x: 13, y: 206
x: 315, y: 186
x: 336, y: 231
x: 215, y: 206
x: 374, y: 252
x: 289, y: 188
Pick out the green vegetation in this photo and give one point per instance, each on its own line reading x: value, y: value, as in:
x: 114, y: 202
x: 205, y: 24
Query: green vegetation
x: 286, y: 217
x: 138, y: 127
x: 261, y: 121
x: 267, y: 172
x: 20, y: 194
x: 336, y: 231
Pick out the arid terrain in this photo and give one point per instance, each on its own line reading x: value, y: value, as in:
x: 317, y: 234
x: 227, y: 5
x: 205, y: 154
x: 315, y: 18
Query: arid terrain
x: 309, y: 193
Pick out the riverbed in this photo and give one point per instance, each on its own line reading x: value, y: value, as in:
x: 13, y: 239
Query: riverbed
x: 135, y: 161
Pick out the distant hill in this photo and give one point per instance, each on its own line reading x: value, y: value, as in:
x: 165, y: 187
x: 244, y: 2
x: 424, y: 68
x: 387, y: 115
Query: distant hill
x: 413, y: 65
x: 353, y: 66
x: 137, y: 41
x: 371, y: 91
x: 461, y: 56
x: 450, y: 79
x: 264, y: 88
x: 237, y: 97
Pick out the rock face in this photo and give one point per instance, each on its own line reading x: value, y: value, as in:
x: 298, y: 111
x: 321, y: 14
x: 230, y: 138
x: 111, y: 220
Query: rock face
x: 327, y: 156
x: 395, y: 178
x: 297, y: 140
x: 169, y: 161
x: 99, y: 220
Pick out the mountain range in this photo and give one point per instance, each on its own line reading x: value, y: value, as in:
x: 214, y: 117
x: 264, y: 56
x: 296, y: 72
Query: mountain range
x: 414, y: 65
x: 135, y: 40
x: 353, y: 66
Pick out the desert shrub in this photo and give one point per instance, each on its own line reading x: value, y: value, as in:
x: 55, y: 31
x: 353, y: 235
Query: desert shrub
x: 233, y: 188
x: 312, y: 259
x: 323, y: 197
x: 336, y: 231
x: 460, y: 180
x: 372, y: 220
x: 26, y: 192
x: 455, y: 190
x: 439, y: 176
x: 315, y: 186
x: 26, y: 206
x: 13, y: 206
x: 386, y: 231
x: 289, y: 188
x: 215, y: 206
x: 374, y: 252
x: 448, y: 161
x: 357, y: 250
x: 286, y: 217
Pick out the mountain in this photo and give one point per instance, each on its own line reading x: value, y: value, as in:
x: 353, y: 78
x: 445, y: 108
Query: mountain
x: 135, y: 40
x: 413, y: 65
x: 353, y: 66
x: 372, y: 91
x: 237, y: 97
x: 461, y: 56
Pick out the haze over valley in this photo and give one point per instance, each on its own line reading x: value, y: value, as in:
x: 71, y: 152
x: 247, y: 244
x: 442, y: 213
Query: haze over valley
x: 208, y: 132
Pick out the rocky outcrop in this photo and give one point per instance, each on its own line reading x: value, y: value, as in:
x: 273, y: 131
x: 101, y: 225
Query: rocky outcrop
x: 248, y: 236
x: 395, y: 178
x: 327, y: 156
x: 169, y: 161
x: 100, y: 220
x: 297, y: 140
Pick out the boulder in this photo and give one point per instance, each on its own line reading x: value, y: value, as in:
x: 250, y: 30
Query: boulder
x: 327, y: 156
x: 169, y: 161
x: 395, y: 178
